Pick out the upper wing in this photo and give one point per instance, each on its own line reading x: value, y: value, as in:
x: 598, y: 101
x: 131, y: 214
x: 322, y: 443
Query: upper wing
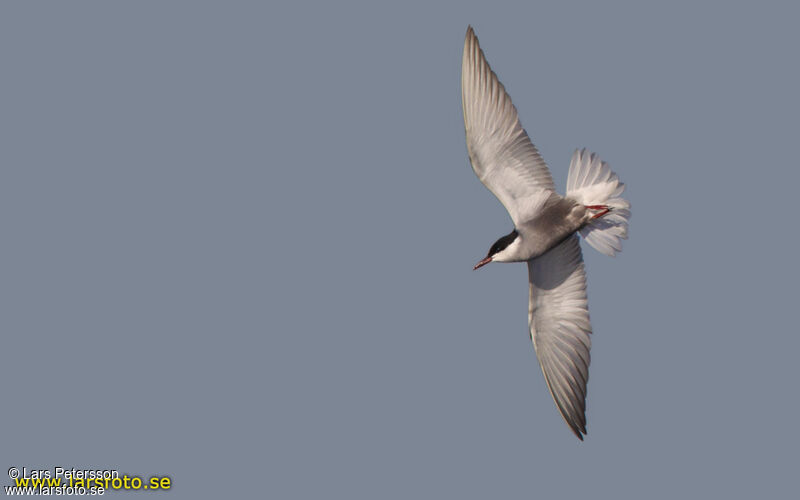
x: 559, y: 321
x: 501, y: 153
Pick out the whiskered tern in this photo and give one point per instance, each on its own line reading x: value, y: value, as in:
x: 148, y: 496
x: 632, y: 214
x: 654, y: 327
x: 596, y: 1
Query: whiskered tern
x: 546, y: 227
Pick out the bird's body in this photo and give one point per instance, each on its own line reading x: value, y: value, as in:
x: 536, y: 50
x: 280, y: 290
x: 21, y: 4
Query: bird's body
x: 557, y: 219
x: 545, y: 227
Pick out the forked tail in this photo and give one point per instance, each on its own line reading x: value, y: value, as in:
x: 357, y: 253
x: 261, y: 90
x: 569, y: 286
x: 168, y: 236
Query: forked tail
x: 592, y: 183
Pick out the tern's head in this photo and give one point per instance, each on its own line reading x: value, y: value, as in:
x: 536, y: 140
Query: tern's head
x: 504, y: 250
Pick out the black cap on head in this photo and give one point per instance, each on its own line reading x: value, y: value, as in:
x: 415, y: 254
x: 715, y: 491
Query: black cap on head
x: 502, y: 243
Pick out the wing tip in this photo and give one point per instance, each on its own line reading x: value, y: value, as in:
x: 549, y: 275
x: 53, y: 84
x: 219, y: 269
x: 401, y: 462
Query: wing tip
x: 576, y: 423
x: 578, y: 431
x: 470, y: 36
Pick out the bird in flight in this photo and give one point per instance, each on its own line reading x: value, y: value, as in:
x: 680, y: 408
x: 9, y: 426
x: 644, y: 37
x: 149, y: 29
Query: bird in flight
x: 546, y: 227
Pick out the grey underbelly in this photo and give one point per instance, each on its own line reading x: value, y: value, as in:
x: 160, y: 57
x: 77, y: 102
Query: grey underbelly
x: 552, y: 225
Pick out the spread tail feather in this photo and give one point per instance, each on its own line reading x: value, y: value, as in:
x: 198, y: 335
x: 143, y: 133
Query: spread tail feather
x: 591, y: 182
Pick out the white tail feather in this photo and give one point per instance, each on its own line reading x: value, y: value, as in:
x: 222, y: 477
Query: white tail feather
x: 591, y: 182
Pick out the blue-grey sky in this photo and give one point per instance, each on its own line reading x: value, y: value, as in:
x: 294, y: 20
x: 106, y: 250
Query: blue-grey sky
x: 238, y: 239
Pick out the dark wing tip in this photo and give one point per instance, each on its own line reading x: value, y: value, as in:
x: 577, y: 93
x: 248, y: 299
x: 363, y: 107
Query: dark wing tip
x: 577, y: 427
x: 471, y: 38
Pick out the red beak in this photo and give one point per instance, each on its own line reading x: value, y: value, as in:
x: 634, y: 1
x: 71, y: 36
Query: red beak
x: 482, y: 263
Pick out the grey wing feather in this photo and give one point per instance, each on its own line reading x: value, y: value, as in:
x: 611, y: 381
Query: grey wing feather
x: 500, y: 151
x: 559, y: 325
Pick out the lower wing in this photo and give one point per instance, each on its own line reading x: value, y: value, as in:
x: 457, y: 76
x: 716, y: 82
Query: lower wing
x: 558, y: 316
